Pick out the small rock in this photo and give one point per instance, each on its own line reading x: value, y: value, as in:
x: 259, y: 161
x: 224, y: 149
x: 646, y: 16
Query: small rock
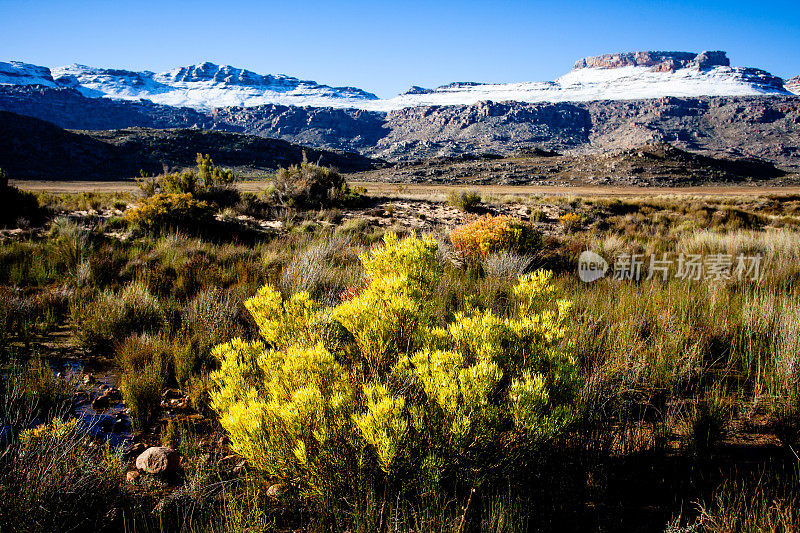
x: 158, y: 460
x: 105, y: 400
x: 132, y: 476
x: 275, y: 491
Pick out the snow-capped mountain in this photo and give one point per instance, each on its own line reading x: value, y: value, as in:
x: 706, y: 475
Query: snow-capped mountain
x: 206, y: 86
x: 626, y: 76
x: 630, y: 76
x: 18, y: 73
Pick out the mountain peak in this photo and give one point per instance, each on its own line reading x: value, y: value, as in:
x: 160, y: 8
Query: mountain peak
x: 657, y: 61
x: 20, y: 73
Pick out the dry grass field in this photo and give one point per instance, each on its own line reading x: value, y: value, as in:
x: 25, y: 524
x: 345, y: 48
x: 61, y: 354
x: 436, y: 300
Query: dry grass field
x: 394, y: 357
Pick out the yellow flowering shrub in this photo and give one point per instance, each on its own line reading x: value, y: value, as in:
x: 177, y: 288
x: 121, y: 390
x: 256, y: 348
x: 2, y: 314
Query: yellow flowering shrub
x: 376, y: 383
x: 169, y: 210
x: 571, y: 221
x: 489, y: 234
x: 56, y: 429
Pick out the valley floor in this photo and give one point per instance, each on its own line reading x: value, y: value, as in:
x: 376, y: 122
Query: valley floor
x: 686, y: 419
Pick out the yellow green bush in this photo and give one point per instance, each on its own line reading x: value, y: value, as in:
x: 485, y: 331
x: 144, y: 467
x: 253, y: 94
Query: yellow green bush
x: 377, y: 385
x: 169, y: 210
x: 478, y: 239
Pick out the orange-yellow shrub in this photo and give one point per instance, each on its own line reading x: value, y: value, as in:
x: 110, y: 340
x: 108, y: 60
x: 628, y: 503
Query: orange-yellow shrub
x: 489, y: 234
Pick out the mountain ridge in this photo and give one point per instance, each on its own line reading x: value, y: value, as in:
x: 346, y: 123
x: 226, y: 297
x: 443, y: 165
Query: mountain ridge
x: 205, y: 86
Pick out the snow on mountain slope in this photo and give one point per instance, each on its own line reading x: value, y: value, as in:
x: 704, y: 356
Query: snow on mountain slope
x: 635, y: 75
x: 206, y: 86
x: 18, y: 73
x: 614, y: 77
x: 793, y: 85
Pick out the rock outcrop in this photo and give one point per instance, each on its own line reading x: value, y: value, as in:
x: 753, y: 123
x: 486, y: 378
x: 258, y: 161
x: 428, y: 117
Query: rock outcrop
x: 658, y: 61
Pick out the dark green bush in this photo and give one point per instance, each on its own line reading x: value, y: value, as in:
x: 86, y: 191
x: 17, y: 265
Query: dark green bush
x: 17, y: 207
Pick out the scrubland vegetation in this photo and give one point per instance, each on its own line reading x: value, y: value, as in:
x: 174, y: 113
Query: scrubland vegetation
x: 318, y: 370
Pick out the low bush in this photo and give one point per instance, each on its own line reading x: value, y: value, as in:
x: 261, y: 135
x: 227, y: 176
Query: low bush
x: 375, y: 389
x: 164, y: 211
x: 208, y: 319
x: 206, y: 177
x: 309, y: 185
x: 464, y: 200
x: 141, y: 390
x: 571, y: 221
x: 52, y: 480
x: 478, y: 239
x: 99, y: 319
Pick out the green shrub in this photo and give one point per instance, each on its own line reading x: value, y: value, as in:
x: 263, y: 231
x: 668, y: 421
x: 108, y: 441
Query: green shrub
x: 464, y: 200
x: 170, y: 211
x: 101, y: 318
x: 376, y: 387
x: 53, y: 480
x: 208, y: 319
x: 309, y: 185
x: 205, y: 177
x: 141, y: 390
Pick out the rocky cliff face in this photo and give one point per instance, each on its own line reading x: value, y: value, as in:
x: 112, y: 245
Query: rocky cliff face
x: 69, y: 109
x: 330, y: 128
x: 658, y: 61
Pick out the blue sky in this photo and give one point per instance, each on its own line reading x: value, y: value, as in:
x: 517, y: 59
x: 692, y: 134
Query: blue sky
x: 385, y: 47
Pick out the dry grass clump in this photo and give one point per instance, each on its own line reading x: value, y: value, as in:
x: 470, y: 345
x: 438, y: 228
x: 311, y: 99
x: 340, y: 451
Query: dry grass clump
x: 750, y: 507
x: 99, y: 319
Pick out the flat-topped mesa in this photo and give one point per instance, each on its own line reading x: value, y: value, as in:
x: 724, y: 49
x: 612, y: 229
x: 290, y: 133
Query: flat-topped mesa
x: 657, y: 61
